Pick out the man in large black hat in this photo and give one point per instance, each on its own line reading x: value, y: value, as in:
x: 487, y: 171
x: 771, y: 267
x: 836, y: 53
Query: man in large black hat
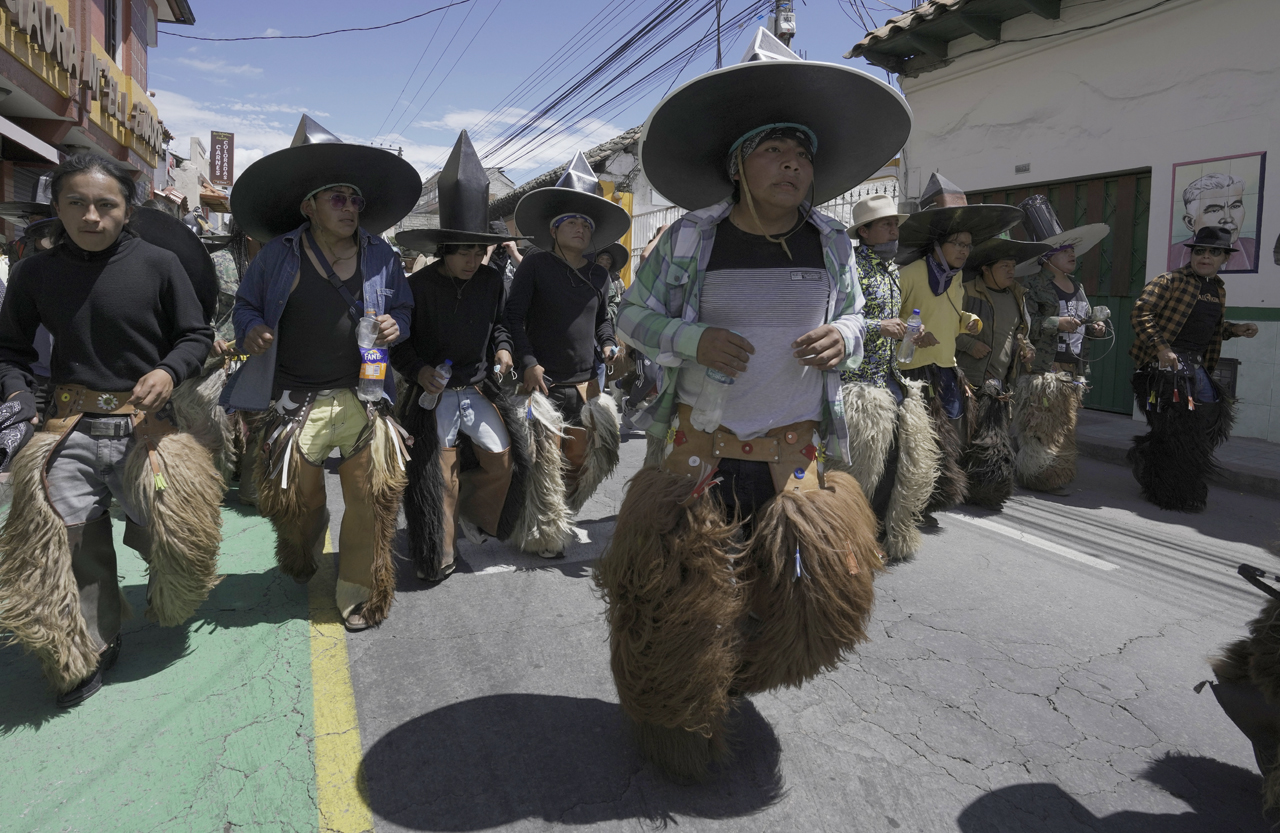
x: 559, y: 321
x: 129, y: 328
x: 1048, y: 398
x: 322, y: 204
x: 36, y: 215
x: 992, y: 360
x: 740, y: 561
x: 1179, y: 324
x: 933, y: 246
x: 470, y: 454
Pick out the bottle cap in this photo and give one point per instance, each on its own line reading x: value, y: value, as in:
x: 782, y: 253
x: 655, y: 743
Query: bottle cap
x: 449, y: 362
x: 915, y: 312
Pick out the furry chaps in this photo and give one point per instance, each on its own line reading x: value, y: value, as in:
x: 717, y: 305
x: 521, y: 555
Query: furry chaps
x: 989, y: 459
x: 545, y: 522
x: 1045, y: 407
x: 1173, y: 462
x: 604, y: 435
x: 952, y: 485
x: 196, y: 412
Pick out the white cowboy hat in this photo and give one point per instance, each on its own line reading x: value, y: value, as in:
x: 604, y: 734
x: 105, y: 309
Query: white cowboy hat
x: 872, y: 208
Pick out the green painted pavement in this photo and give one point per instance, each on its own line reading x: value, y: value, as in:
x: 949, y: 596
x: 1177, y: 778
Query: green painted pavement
x: 206, y: 727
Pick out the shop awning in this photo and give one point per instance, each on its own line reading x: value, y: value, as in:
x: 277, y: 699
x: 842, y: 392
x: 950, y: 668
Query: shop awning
x: 38, y: 147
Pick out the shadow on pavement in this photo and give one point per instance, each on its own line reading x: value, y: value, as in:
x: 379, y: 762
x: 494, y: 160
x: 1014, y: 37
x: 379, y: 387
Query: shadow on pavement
x: 499, y: 759
x: 1222, y: 797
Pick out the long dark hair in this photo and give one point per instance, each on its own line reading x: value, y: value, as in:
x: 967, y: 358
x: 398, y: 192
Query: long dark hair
x: 89, y: 163
x: 238, y: 246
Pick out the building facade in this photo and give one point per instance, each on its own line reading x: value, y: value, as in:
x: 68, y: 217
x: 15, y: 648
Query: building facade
x: 1155, y: 116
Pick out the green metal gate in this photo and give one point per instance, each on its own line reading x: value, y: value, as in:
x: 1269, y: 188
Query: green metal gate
x: 1112, y: 274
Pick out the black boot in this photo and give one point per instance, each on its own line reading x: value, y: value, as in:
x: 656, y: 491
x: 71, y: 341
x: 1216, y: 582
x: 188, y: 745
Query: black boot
x: 91, y: 684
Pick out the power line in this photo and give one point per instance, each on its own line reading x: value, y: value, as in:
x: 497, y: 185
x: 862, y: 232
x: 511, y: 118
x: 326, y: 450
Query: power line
x: 320, y: 34
x: 412, y: 72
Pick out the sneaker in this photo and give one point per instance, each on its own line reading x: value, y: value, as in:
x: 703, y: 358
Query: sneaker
x: 91, y: 684
x: 549, y: 554
x: 473, y: 532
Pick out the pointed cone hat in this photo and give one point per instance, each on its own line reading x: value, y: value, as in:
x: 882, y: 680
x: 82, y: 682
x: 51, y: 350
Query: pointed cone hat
x: 578, y: 191
x: 38, y: 207
x: 1042, y: 225
x: 944, y: 211
x: 266, y: 196
x: 860, y: 123
x: 463, y: 197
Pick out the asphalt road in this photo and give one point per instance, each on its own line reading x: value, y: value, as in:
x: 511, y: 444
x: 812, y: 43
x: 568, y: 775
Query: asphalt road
x: 1028, y: 671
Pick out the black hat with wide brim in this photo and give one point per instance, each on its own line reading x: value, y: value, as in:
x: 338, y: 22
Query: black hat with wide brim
x: 576, y: 192
x: 266, y: 196
x: 25, y: 212
x: 982, y: 221
x: 860, y: 123
x: 619, y: 254
x: 168, y: 232
x: 1002, y: 248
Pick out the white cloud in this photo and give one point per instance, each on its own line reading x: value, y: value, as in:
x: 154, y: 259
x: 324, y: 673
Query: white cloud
x: 219, y: 67
x: 241, y: 107
x: 272, y: 33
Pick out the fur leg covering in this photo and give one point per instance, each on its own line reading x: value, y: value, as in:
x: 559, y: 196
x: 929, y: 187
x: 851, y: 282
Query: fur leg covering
x: 1174, y: 461
x: 39, y: 602
x: 545, y: 522
x: 512, y: 414
x: 808, y: 574
x: 295, y: 523
x: 674, y: 608
x: 919, y: 462
x: 871, y: 413
x: 196, y: 412
x: 604, y: 435
x: 184, y: 524
x: 424, y: 495
x: 387, y: 481
x: 989, y: 459
x: 1046, y: 406
x: 952, y: 484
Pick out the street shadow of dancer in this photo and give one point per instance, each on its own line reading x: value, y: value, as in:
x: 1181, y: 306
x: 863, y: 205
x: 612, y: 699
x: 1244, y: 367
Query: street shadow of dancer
x: 1222, y: 797
x: 494, y: 760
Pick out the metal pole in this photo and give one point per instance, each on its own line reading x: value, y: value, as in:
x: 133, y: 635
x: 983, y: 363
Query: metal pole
x: 718, y: 58
x: 784, y: 21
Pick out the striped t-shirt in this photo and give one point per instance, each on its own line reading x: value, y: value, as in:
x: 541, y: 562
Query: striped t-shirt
x: 754, y: 289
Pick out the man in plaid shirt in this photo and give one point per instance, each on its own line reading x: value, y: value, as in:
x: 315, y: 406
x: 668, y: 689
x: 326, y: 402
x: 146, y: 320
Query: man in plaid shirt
x: 1179, y: 322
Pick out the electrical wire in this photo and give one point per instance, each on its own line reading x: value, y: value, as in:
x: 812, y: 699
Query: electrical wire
x: 320, y: 34
x: 397, y: 132
x: 412, y: 72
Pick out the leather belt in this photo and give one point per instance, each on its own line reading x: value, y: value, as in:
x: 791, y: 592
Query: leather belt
x: 793, y: 452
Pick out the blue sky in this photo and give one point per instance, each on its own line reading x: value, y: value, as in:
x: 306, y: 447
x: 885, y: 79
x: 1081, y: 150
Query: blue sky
x: 351, y: 83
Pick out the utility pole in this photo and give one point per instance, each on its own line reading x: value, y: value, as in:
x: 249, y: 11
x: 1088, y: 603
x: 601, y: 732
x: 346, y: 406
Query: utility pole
x: 783, y: 21
x: 719, y: 61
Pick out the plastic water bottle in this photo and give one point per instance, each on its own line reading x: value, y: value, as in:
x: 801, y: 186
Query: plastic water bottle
x: 373, y: 360
x: 907, y: 349
x: 708, y: 411
x: 444, y: 371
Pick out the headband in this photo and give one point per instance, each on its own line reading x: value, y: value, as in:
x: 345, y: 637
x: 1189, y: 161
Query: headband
x: 555, y: 224
x: 781, y: 130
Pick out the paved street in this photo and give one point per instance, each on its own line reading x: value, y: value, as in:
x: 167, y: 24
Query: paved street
x: 1030, y: 671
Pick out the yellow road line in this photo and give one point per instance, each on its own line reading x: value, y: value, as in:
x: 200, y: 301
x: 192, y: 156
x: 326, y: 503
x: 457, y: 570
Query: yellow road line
x: 337, y: 730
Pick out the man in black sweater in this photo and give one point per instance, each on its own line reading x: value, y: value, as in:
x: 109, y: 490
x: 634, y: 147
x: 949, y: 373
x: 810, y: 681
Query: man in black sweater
x: 127, y: 328
x: 559, y: 321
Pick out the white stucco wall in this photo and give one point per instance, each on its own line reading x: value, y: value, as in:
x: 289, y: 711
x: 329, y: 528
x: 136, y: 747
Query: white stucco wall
x: 1181, y: 81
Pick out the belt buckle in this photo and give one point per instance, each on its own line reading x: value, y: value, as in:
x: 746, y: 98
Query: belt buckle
x: 109, y: 428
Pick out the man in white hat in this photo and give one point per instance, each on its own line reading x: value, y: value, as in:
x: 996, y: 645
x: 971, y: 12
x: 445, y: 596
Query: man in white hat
x: 893, y: 449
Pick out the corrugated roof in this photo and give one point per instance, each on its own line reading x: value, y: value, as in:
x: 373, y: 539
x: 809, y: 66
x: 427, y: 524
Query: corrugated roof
x: 597, y: 157
x: 903, y: 22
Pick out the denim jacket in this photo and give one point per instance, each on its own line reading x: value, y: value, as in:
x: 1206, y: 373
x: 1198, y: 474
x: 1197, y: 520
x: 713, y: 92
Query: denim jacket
x: 266, y: 287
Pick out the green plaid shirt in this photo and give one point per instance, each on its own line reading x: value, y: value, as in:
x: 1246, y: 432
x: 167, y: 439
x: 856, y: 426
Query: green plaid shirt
x: 1162, y: 309
x: 659, y: 312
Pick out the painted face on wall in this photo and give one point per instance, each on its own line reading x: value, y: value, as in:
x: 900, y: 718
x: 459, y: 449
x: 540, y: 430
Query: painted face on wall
x: 1223, y: 207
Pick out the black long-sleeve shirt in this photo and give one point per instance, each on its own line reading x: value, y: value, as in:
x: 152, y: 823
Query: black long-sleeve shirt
x: 115, y: 316
x: 457, y: 320
x: 557, y: 315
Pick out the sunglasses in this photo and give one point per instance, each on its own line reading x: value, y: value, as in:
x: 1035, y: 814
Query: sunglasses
x: 339, y: 201
x: 1199, y: 251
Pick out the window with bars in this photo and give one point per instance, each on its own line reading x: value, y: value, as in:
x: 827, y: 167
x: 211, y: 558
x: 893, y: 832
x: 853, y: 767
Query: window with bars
x: 111, y: 21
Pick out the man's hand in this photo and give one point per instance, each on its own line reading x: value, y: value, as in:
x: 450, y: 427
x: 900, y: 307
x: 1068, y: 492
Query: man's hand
x: 1245, y: 330
x: 505, y: 362
x: 430, y: 382
x: 925, y: 339
x: 822, y: 348
x: 974, y: 327
x: 894, y: 328
x: 610, y: 353
x: 152, y: 391
x: 979, y: 350
x: 724, y: 350
x: 1097, y: 329
x: 533, y: 380
x: 388, y: 330
x: 1168, y: 359
x: 1067, y: 324
x: 1028, y: 353
x: 221, y: 348
x: 259, y: 339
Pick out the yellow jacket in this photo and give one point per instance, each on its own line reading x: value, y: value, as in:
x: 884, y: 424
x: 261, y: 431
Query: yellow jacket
x: 943, y: 315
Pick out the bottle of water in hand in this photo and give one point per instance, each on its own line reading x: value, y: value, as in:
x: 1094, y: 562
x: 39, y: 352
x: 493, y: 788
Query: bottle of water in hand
x: 907, y: 349
x: 445, y: 372
x: 373, y: 360
x: 708, y: 411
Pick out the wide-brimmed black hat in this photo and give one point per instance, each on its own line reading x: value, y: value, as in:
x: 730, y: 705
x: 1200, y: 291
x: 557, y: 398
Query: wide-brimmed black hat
x: 1002, y: 248
x: 38, y: 207
x: 619, y: 254
x: 578, y: 191
x: 1214, y: 237
x: 944, y: 211
x: 859, y: 122
x: 463, y: 196
x: 266, y: 196
x: 1041, y: 223
x: 159, y: 228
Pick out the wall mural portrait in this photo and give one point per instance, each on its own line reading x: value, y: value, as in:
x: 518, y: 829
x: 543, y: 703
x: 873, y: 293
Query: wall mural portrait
x: 1225, y: 192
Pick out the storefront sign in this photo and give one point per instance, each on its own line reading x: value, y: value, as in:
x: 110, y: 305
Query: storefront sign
x: 222, y: 158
